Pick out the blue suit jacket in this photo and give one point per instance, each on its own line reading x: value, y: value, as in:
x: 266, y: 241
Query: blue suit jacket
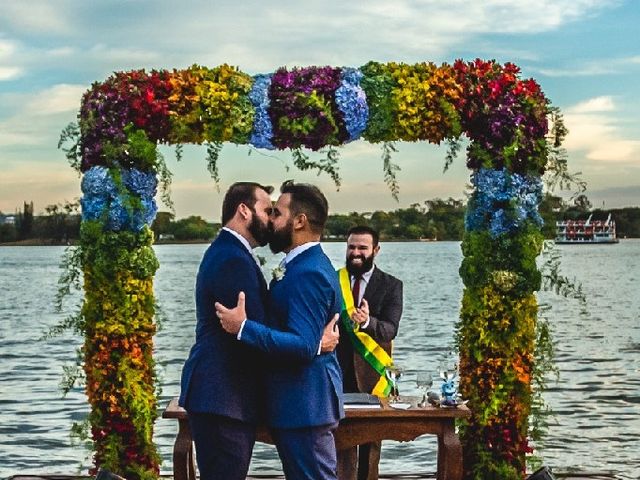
x: 221, y: 375
x: 304, y: 389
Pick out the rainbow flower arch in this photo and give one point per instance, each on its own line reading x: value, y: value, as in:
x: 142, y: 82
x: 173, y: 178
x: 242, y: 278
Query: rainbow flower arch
x: 124, y: 118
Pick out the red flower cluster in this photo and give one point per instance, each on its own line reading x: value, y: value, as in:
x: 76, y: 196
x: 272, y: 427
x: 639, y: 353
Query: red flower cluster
x: 504, y: 116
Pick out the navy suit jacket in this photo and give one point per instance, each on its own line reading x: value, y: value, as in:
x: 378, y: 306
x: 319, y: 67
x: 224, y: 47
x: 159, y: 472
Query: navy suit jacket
x: 304, y: 389
x: 221, y: 375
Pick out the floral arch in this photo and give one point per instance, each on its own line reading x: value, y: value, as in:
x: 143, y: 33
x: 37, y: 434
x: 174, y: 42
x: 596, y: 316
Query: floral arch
x: 122, y: 120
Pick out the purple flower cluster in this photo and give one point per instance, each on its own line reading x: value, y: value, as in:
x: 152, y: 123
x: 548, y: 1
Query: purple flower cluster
x: 508, y: 132
x: 103, y: 115
x: 503, y: 202
x: 130, y: 207
x: 262, y: 131
x: 352, y: 102
x: 303, y: 110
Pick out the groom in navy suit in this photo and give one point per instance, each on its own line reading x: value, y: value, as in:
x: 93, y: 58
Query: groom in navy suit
x: 222, y: 381
x: 304, y: 387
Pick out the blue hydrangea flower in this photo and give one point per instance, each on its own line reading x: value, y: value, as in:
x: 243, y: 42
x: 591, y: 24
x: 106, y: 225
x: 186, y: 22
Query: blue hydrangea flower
x: 97, y: 182
x: 262, y: 131
x: 352, y: 102
x: 92, y: 207
x: 118, y: 215
x: 103, y: 201
x: 141, y: 183
x: 503, y: 202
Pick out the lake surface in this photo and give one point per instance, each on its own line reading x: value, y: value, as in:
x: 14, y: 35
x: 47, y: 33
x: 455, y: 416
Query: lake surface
x: 596, y: 402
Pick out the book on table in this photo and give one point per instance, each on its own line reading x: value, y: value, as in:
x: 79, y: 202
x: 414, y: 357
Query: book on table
x: 361, y: 400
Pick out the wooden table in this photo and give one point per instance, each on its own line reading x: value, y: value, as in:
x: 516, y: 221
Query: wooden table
x: 361, y: 425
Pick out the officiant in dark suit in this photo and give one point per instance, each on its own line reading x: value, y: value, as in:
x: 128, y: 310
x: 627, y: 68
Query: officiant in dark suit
x: 377, y: 298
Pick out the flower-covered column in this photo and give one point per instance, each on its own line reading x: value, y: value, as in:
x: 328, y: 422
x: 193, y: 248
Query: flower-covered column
x: 505, y: 119
x: 498, y: 318
x: 120, y: 121
x: 119, y: 265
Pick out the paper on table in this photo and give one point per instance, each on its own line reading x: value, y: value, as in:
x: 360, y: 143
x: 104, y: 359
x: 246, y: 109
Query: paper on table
x: 400, y: 405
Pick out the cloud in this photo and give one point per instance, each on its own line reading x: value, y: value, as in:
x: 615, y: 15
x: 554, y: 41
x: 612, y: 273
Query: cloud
x: 9, y: 73
x: 264, y: 35
x: 594, y: 129
x: 57, y: 99
x: 593, y: 105
x: 36, y: 16
x: 597, y: 67
x: 8, y: 70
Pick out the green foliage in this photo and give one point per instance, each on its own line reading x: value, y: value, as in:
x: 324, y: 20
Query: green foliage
x: 454, y: 146
x: 378, y: 83
x: 390, y: 169
x: 553, y: 280
x: 544, y: 367
x: 557, y: 174
x: 70, y: 136
x: 329, y: 164
x: 484, y: 255
x: 213, y: 154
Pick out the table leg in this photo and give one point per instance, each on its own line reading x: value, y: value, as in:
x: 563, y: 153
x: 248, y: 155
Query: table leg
x: 449, y: 454
x: 183, y: 463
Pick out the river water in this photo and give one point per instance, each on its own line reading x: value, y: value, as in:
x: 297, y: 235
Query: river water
x: 596, y: 403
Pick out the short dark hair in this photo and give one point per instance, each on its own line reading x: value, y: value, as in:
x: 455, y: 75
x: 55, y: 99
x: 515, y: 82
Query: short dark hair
x: 241, y: 192
x: 307, y: 199
x: 365, y: 230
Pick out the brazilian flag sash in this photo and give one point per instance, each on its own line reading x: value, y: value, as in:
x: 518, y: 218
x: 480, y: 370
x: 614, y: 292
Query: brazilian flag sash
x: 366, y: 346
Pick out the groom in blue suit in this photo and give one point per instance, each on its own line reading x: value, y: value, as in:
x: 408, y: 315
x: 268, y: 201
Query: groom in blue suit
x: 222, y: 380
x: 304, y: 387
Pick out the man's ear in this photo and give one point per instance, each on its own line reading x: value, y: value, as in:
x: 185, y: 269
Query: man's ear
x: 300, y: 221
x: 244, y: 211
x: 376, y: 250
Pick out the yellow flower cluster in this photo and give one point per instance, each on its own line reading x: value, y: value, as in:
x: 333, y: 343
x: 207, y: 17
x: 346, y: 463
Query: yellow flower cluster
x: 425, y: 97
x: 211, y: 104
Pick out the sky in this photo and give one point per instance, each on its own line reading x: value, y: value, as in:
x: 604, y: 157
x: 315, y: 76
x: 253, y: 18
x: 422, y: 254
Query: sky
x: 584, y: 53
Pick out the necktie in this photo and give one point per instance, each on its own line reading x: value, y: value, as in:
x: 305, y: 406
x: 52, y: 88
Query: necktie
x: 356, y: 290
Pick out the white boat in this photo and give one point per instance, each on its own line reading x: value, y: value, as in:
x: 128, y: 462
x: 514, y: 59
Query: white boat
x: 586, y: 231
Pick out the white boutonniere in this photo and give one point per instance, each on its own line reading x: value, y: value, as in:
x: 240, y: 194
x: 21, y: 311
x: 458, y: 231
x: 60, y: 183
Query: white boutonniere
x: 278, y: 273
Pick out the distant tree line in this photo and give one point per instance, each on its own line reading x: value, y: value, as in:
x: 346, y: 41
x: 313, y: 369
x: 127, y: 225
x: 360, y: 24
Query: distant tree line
x: 435, y: 219
x: 59, y: 225
x: 165, y: 228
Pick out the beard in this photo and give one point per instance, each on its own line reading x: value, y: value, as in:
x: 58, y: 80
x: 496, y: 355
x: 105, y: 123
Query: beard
x: 365, y: 266
x: 259, y: 231
x: 281, y: 239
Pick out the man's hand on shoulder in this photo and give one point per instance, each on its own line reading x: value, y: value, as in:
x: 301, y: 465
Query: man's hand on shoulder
x: 231, y: 318
x: 330, y: 336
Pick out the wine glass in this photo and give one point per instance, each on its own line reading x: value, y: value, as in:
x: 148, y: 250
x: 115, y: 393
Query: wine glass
x: 448, y: 368
x: 393, y: 373
x: 424, y: 381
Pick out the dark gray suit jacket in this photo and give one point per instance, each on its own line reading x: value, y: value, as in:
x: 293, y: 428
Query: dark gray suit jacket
x: 384, y: 295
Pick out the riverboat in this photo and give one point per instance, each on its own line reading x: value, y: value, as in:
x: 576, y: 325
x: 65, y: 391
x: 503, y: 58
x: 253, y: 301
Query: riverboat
x: 586, y: 231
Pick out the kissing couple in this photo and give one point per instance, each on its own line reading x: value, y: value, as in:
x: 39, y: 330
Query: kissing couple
x: 266, y: 355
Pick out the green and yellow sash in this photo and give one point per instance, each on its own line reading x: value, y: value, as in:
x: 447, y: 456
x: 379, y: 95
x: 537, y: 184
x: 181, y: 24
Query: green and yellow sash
x: 366, y: 346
